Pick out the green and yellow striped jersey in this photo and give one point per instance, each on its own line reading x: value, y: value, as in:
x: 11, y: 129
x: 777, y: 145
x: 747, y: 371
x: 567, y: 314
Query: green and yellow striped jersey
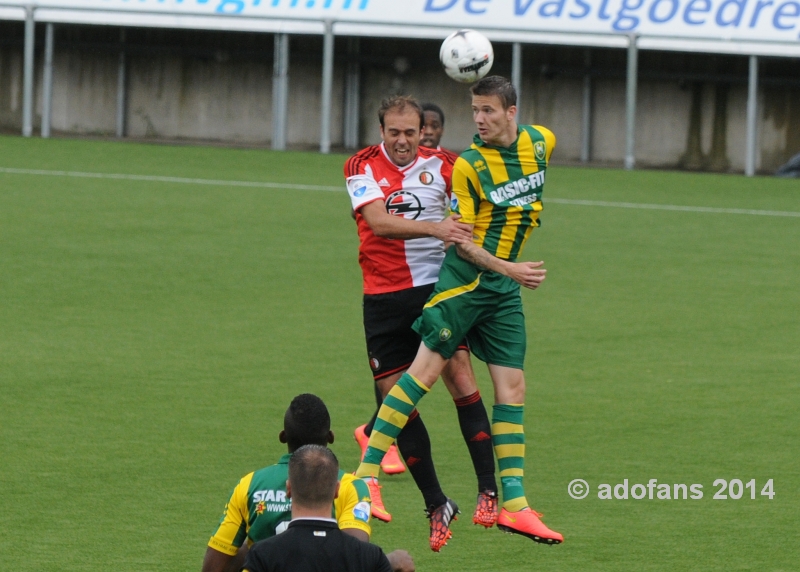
x: 499, y: 189
x: 259, y: 507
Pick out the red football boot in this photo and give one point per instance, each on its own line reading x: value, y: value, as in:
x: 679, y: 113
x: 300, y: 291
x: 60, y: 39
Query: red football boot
x: 441, y: 517
x: 486, y: 509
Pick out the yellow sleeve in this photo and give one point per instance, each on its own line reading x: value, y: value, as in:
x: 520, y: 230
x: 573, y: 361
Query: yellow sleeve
x: 232, y: 529
x: 466, y: 188
x: 549, y: 140
x: 353, y: 505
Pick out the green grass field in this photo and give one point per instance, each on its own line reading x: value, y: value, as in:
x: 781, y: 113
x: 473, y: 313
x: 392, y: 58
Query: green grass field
x: 153, y: 333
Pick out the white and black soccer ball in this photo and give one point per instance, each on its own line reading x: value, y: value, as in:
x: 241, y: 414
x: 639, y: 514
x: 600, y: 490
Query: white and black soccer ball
x: 466, y: 55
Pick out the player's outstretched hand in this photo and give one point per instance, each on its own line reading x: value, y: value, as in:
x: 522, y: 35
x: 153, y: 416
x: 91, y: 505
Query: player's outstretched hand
x: 529, y: 274
x: 450, y: 230
x: 401, y: 561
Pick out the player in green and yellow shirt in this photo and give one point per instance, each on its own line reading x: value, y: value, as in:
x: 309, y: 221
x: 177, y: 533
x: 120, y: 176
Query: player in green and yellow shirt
x: 498, y: 183
x: 259, y: 507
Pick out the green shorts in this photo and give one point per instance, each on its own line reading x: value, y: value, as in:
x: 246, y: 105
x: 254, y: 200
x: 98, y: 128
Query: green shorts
x: 482, y: 306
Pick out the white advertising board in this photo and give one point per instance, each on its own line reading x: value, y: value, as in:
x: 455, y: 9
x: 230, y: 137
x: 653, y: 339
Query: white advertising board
x: 735, y: 22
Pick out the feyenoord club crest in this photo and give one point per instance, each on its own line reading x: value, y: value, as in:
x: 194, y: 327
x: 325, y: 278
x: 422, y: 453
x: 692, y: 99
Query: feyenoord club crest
x: 425, y: 178
x: 404, y: 204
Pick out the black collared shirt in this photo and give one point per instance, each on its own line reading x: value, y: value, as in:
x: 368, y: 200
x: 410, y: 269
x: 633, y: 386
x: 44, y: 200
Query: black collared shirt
x: 315, y: 546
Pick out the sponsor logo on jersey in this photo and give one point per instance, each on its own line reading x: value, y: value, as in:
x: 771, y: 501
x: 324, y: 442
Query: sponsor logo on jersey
x: 404, y: 204
x: 454, y: 203
x: 425, y: 177
x: 539, y: 150
x: 384, y: 183
x: 444, y: 334
x: 263, y: 506
x: 361, y: 511
x: 269, y: 496
x: 479, y: 165
x: 374, y: 363
x: 520, y: 192
x: 320, y: 533
x: 359, y: 192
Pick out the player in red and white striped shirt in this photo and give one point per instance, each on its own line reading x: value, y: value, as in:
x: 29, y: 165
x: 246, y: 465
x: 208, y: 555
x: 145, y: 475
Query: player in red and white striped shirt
x: 400, y: 193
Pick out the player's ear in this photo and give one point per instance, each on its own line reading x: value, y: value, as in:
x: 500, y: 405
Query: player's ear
x: 382, y: 134
x: 288, y: 489
x: 511, y: 112
x: 330, y: 437
x: 336, y: 490
x: 282, y: 437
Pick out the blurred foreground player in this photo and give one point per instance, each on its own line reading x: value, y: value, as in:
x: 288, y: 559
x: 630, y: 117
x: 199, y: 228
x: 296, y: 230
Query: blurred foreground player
x: 260, y: 507
x: 400, y: 193
x: 313, y: 541
x: 498, y: 183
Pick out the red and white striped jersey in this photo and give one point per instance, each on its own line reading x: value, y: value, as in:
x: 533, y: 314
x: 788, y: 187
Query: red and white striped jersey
x: 418, y: 191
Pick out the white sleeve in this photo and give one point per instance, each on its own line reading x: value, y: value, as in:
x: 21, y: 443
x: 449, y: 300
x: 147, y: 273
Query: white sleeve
x: 362, y: 190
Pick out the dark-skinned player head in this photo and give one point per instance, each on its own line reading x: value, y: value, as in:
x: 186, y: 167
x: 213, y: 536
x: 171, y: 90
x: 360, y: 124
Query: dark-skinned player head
x: 306, y: 422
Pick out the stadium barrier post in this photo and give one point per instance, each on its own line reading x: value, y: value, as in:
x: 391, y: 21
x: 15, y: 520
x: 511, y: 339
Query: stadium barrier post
x: 121, y: 85
x: 586, y: 112
x: 27, y: 78
x: 327, y: 88
x: 352, y: 92
x: 752, y: 118
x: 516, y: 74
x: 630, y: 103
x: 47, y: 81
x: 280, y: 92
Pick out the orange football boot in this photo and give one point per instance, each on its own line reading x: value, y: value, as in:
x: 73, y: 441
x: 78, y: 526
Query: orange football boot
x: 526, y: 522
x: 391, y: 463
x: 362, y: 439
x: 378, y: 510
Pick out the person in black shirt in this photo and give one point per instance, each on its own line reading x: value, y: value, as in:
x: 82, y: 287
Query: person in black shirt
x: 313, y: 541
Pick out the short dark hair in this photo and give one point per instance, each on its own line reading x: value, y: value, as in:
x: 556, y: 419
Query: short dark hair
x: 313, y: 474
x: 307, y: 422
x: 496, y: 85
x: 436, y: 109
x: 399, y: 103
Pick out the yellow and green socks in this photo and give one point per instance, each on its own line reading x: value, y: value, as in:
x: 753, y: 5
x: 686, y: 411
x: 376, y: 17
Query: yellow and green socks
x: 392, y: 417
x: 508, y: 438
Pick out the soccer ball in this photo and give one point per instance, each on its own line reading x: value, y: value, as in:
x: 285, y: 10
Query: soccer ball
x: 466, y: 55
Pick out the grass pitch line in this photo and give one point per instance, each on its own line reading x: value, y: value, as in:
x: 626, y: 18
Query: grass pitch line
x: 271, y: 185
x: 161, y: 179
x: 671, y: 207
